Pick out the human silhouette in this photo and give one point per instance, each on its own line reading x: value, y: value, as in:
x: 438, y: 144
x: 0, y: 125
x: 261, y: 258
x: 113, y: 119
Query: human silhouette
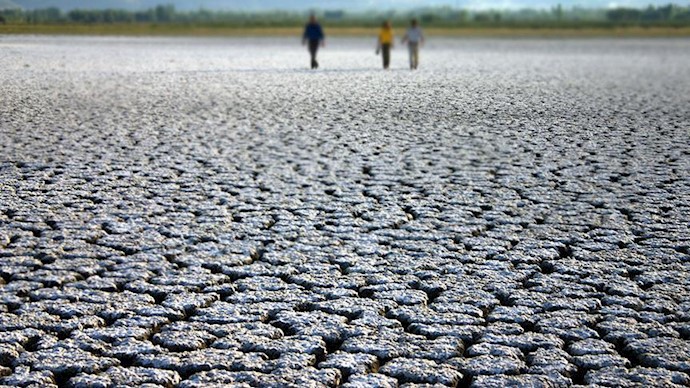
x: 385, y: 43
x: 414, y: 38
x: 313, y: 37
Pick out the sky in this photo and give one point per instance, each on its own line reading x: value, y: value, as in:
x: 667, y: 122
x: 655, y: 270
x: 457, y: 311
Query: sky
x: 354, y: 5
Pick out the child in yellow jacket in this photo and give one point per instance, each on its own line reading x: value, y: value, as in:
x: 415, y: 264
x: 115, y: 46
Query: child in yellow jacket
x: 385, y: 43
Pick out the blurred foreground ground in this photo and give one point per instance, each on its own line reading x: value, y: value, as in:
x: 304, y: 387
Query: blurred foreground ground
x: 198, y: 211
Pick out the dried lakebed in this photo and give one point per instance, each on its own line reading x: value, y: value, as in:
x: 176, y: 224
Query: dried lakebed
x: 199, y: 212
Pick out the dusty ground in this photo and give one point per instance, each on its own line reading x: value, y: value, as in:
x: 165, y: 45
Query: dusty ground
x: 198, y: 211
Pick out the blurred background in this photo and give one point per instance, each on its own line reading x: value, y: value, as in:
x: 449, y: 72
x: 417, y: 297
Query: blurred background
x: 347, y: 17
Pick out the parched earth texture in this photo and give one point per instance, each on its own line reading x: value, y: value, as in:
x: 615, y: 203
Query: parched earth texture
x: 209, y: 212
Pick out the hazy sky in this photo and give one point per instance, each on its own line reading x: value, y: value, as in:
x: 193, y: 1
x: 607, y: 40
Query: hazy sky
x: 405, y: 4
x: 336, y: 4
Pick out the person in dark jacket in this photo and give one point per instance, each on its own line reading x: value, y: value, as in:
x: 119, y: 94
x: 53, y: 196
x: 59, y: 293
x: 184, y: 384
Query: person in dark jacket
x: 313, y: 37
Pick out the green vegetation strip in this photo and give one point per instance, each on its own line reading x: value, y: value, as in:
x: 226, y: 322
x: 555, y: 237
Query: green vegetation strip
x: 139, y: 29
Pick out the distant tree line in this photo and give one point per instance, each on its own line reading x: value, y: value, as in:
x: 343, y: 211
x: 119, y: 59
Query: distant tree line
x: 649, y: 15
x: 668, y: 15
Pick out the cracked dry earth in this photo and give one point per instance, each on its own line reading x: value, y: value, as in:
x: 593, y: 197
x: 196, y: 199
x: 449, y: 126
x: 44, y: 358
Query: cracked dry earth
x: 207, y: 212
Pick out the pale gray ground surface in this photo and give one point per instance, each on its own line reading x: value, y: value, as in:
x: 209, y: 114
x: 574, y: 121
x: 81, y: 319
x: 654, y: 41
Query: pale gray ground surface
x: 196, y: 212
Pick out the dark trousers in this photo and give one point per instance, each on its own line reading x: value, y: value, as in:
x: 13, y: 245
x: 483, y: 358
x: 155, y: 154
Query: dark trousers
x: 313, y: 48
x: 386, y: 54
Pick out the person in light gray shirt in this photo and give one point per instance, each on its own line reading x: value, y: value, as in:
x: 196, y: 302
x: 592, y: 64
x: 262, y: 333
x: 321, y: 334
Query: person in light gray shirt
x: 414, y: 38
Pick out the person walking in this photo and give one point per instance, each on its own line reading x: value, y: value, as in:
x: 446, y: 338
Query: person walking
x: 385, y: 43
x: 414, y: 38
x: 313, y: 37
